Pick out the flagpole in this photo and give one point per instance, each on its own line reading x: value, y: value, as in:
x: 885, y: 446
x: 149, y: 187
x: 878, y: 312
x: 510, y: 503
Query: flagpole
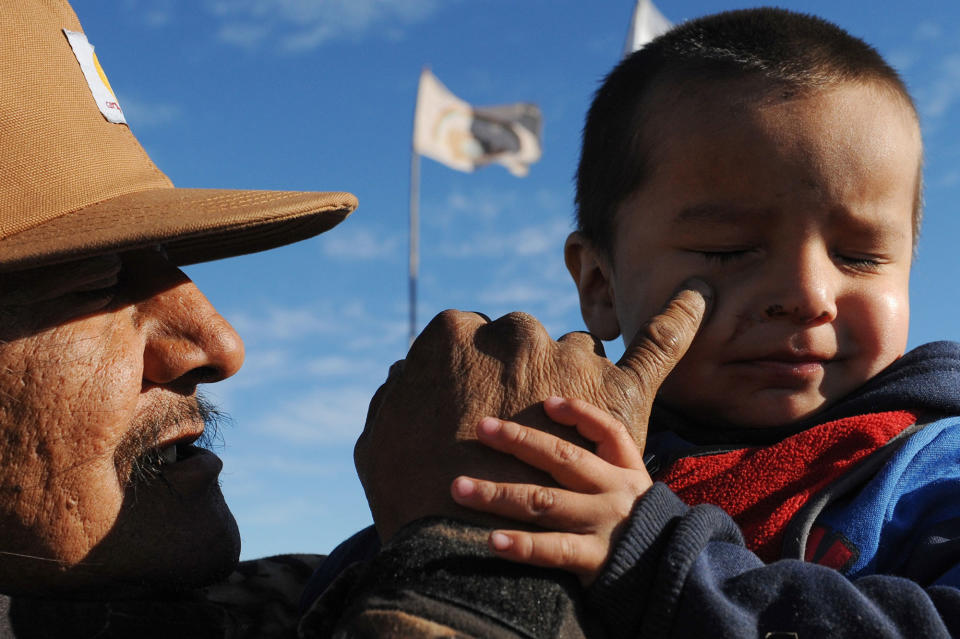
x: 414, y: 238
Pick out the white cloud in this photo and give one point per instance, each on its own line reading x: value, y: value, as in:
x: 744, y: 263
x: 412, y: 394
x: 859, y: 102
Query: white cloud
x: 286, y: 465
x: 158, y: 17
x: 261, y: 366
x: 902, y: 59
x: 142, y: 114
x: 281, y: 324
x: 951, y: 178
x: 247, y: 36
x: 547, y: 303
x: 345, y: 327
x: 153, y: 13
x: 928, y: 31
x: 937, y: 99
x: 519, y: 294
x: 388, y: 334
x: 337, y: 366
x: 278, y: 512
x: 298, y: 25
x: 324, y: 415
x: 309, y: 38
x: 554, y: 200
x: 361, y: 244
x: 481, y: 204
x: 532, y: 241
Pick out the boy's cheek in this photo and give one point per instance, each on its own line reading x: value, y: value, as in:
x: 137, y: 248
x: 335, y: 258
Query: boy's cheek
x: 880, y: 326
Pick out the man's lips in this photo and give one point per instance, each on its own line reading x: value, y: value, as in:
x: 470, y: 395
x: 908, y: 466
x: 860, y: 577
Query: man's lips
x: 194, y: 467
x: 175, y: 443
x: 173, y: 450
x: 188, y: 467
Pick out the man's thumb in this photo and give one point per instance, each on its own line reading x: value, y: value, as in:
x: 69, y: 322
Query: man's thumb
x: 665, y: 338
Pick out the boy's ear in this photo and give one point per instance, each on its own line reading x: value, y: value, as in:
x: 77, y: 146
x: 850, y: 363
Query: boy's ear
x: 592, y: 273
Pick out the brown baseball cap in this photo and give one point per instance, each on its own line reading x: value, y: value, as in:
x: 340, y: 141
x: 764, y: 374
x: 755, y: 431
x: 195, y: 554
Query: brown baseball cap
x: 74, y: 183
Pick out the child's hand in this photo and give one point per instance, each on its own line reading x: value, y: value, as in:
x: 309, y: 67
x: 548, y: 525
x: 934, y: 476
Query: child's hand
x: 588, y: 517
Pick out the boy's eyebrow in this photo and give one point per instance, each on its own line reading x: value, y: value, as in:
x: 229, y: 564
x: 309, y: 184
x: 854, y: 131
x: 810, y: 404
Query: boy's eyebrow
x: 718, y: 214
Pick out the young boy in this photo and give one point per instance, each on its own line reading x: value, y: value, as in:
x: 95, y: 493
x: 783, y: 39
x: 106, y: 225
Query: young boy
x: 777, y: 158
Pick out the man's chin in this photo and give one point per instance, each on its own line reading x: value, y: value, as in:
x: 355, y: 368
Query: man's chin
x: 173, y: 533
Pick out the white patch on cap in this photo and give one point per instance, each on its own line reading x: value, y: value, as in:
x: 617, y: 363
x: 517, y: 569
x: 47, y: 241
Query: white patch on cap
x: 96, y: 78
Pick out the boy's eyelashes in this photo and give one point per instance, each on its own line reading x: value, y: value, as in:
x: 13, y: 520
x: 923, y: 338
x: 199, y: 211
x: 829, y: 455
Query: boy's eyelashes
x: 723, y: 256
x: 861, y: 263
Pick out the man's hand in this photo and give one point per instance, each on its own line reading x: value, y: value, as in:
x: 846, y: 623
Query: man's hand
x: 420, y: 431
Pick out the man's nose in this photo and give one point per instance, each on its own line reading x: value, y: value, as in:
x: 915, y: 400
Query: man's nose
x: 805, y: 289
x: 186, y: 342
x: 189, y: 343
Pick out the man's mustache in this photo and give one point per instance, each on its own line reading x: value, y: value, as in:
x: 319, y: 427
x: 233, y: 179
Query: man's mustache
x: 137, y: 457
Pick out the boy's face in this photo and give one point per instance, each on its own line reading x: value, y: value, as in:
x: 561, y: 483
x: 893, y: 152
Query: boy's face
x: 798, y: 213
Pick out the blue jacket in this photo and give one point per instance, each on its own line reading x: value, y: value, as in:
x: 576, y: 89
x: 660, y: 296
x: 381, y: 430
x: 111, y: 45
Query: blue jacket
x: 890, y: 527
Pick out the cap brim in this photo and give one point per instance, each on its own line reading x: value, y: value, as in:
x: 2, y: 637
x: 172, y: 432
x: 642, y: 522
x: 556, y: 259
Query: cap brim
x: 195, y: 225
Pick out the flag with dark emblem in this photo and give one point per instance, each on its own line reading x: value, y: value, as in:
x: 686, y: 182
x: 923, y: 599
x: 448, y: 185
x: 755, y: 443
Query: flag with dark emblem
x: 453, y: 132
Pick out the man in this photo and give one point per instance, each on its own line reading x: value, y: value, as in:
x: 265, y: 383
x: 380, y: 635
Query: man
x: 103, y: 340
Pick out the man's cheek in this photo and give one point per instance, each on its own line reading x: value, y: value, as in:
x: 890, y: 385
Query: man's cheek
x: 93, y: 505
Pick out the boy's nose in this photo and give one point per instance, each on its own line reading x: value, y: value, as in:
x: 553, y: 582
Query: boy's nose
x: 805, y: 293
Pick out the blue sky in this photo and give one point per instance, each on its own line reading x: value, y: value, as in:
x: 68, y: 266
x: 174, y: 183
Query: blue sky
x: 319, y: 95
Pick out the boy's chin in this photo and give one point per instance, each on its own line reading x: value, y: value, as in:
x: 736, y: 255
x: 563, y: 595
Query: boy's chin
x: 766, y: 409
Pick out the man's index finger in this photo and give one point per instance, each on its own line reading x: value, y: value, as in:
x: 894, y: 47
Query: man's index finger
x: 659, y: 345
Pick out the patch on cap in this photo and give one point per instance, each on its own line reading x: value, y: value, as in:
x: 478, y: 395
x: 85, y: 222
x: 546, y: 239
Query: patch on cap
x: 96, y: 78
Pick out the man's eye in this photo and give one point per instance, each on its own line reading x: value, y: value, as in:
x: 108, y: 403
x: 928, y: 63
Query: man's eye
x: 95, y: 292
x: 106, y: 293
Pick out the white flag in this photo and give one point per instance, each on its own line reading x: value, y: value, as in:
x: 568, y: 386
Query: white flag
x: 464, y: 137
x: 647, y: 23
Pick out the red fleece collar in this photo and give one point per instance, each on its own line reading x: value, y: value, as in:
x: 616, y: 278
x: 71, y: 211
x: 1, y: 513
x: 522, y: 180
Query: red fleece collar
x: 762, y: 488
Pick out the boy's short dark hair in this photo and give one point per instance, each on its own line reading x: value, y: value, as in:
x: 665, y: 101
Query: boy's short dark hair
x: 787, y: 51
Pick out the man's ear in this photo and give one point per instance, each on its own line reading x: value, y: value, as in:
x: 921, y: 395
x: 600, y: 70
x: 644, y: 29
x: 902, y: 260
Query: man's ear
x: 592, y: 273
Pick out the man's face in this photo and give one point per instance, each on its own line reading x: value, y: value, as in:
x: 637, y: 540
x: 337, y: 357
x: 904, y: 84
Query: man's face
x: 799, y: 213
x: 99, y: 489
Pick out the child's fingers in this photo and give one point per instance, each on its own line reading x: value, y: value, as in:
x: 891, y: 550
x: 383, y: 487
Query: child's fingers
x: 614, y: 443
x: 582, y: 555
x: 570, y: 465
x: 544, y: 506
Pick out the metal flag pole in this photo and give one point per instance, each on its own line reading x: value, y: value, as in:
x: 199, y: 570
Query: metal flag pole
x: 414, y: 238
x: 415, y: 213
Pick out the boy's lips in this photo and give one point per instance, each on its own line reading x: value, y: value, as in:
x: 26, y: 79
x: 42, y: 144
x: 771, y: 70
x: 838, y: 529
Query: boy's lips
x: 784, y: 368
